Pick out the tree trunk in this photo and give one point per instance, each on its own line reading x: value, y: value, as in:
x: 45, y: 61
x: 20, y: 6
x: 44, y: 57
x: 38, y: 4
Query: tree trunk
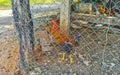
x: 65, y: 16
x: 24, y: 27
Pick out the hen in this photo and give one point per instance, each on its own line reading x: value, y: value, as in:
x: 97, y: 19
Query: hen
x: 101, y: 9
x: 66, y: 42
x: 106, y: 11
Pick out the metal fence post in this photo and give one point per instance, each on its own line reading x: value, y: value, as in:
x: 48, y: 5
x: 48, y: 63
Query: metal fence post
x: 24, y: 27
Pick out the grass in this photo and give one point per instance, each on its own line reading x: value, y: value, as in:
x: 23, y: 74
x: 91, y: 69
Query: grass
x: 7, y: 3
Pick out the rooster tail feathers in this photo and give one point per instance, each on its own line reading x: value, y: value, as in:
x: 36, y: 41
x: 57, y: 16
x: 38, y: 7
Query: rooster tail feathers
x: 67, y: 47
x: 77, y: 39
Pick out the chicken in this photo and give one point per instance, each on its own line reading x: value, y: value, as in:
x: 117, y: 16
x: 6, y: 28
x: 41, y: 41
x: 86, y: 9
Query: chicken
x: 54, y: 30
x: 107, y: 11
x: 61, y: 37
x: 101, y: 9
x: 112, y: 12
x: 66, y: 42
x: 66, y: 48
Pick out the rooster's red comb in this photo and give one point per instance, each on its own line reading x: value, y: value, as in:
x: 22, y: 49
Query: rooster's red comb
x: 55, y: 24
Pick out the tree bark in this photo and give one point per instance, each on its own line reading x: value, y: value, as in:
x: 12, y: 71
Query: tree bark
x: 65, y: 16
x: 24, y: 26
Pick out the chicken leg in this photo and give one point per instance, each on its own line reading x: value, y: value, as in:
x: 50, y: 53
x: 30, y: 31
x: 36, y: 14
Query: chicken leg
x: 63, y: 56
x: 71, y: 59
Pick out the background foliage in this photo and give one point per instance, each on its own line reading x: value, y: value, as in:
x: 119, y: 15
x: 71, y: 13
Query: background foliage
x: 7, y: 3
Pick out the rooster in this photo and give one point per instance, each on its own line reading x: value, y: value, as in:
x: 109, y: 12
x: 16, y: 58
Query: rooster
x: 101, y: 9
x: 66, y: 42
x: 106, y: 10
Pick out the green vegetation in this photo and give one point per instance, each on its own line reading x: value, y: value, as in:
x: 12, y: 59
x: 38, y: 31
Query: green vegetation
x: 7, y: 3
x: 43, y: 1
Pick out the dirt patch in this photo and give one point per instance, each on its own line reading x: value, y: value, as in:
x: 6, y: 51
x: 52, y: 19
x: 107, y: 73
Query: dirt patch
x: 92, y: 56
x: 9, y: 55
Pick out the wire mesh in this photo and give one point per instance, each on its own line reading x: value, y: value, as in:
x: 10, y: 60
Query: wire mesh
x: 91, y: 47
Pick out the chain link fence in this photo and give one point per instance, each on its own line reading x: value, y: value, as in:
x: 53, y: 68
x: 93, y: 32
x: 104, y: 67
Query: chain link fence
x: 68, y: 37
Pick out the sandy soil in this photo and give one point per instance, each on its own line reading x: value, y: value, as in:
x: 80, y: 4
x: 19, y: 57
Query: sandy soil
x: 8, y: 55
x: 8, y: 44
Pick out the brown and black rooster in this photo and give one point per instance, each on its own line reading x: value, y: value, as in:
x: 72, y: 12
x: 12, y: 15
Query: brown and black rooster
x: 66, y: 42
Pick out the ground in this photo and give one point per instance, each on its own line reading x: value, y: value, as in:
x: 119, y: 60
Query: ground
x: 8, y: 53
x: 93, y: 56
x: 8, y: 44
x: 9, y: 57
